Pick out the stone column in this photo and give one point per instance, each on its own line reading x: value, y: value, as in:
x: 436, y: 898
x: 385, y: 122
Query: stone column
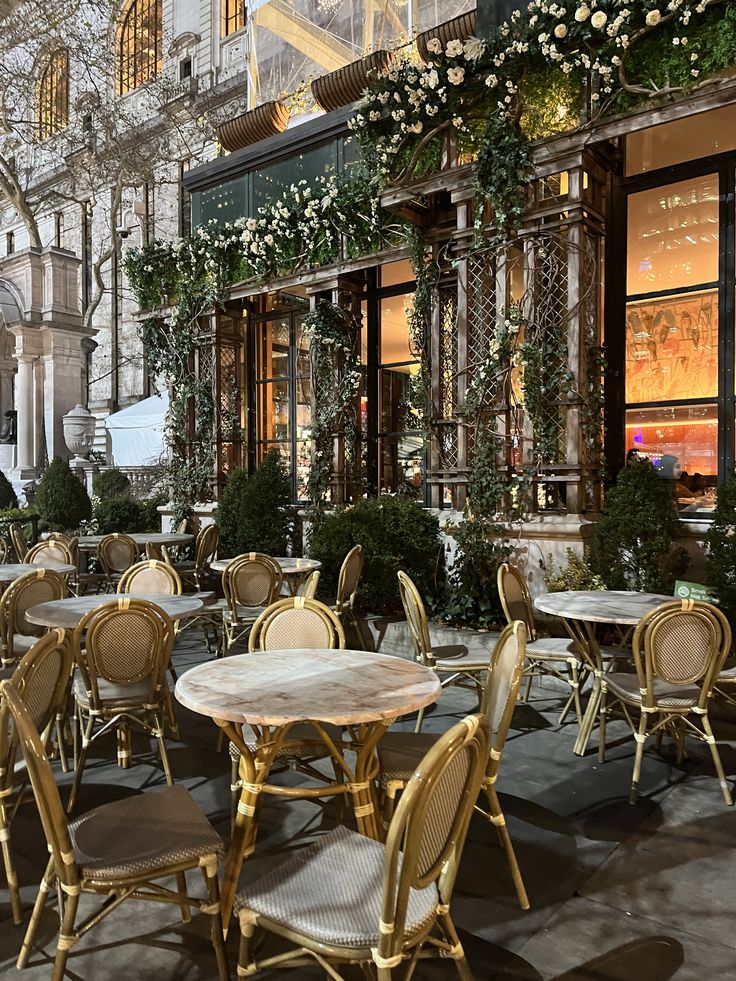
x: 24, y: 404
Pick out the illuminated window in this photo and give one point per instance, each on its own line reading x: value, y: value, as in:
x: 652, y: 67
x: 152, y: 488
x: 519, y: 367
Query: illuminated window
x: 139, y: 44
x: 232, y: 17
x: 52, y: 113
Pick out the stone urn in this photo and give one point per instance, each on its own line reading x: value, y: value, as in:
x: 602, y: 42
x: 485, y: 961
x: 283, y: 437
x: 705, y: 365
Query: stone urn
x: 79, y: 433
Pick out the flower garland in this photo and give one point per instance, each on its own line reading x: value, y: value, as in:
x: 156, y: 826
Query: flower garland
x: 477, y: 90
x: 336, y: 379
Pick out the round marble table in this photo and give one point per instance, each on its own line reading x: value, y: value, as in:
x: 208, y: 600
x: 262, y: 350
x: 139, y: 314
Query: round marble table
x: 295, y: 570
x: 275, y: 690
x: 11, y: 572
x: 68, y: 612
x: 88, y: 543
x: 580, y: 611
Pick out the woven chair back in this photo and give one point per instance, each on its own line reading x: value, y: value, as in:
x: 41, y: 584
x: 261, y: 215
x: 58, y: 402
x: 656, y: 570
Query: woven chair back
x: 125, y: 641
x: 29, y: 590
x: 3, y: 551
x: 71, y: 542
x: 116, y: 553
x: 152, y: 578
x: 684, y: 642
x: 252, y: 580
x: 349, y: 578
x: 19, y: 540
x: 502, y: 687
x: 45, y: 791
x: 52, y: 550
x: 205, y: 546
x: 308, y: 589
x: 416, y: 618
x: 296, y: 623
x: 515, y: 598
x: 427, y: 833
x: 42, y: 676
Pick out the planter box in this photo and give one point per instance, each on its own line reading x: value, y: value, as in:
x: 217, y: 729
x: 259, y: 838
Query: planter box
x: 347, y: 84
x: 458, y: 29
x: 252, y: 127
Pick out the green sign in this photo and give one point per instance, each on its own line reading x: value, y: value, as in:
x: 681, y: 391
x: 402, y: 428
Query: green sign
x: 693, y: 591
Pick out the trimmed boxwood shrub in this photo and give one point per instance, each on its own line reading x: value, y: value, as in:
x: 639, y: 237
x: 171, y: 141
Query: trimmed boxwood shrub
x: 8, y: 497
x: 110, y: 483
x: 126, y: 514
x: 721, y: 541
x: 634, y: 545
x: 61, y: 498
x: 396, y: 533
x: 253, y: 512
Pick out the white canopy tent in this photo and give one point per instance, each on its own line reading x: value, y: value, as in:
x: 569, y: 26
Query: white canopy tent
x: 137, y: 432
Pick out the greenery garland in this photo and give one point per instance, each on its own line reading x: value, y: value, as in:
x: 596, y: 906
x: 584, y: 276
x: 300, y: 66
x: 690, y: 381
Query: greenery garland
x: 336, y: 378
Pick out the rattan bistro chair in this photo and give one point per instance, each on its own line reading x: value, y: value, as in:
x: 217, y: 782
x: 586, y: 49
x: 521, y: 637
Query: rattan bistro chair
x: 348, y: 581
x: 293, y: 623
x: 205, y: 546
x: 679, y: 649
x: 117, y: 851
x: 308, y: 588
x: 551, y: 656
x: 400, y: 752
x: 151, y: 577
x: 121, y: 681
x: 350, y: 899
x: 18, y: 540
x: 251, y: 582
x: 3, y: 551
x: 51, y: 550
x: 17, y: 633
x: 42, y: 676
x: 456, y: 666
x: 115, y: 554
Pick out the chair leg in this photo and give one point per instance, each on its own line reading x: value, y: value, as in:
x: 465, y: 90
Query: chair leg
x: 10, y: 875
x: 389, y: 800
x: 602, y: 719
x: 717, y: 760
x: 181, y: 888
x: 461, y: 963
x: 160, y: 735
x: 498, y: 821
x: 641, y: 738
x: 59, y: 724
x: 234, y: 787
x: 81, y: 760
x: 66, y: 936
x: 529, y: 683
x: 213, y: 894
x: 43, y: 891
x: 420, y: 720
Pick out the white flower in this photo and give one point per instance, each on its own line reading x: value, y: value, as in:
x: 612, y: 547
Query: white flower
x: 434, y: 45
x: 582, y: 13
x: 473, y: 48
x: 598, y: 20
x: 456, y: 76
x: 454, y: 49
x: 561, y: 30
x: 457, y: 122
x: 492, y: 81
x: 653, y: 18
x: 417, y: 127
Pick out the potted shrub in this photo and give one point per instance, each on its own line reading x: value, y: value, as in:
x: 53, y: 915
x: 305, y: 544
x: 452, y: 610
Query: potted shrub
x: 254, y: 513
x: 634, y: 545
x: 721, y: 543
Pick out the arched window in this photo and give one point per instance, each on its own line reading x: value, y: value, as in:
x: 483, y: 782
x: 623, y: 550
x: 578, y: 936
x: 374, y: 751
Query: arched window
x: 52, y: 110
x: 139, y: 44
x: 232, y: 16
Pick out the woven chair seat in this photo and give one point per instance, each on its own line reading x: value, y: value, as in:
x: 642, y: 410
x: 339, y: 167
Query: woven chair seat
x: 113, y: 694
x: 142, y: 834
x: 244, y: 613
x: 468, y: 661
x: 309, y: 746
x: 399, y: 753
x: 332, y: 892
x: 626, y: 687
x: 552, y: 648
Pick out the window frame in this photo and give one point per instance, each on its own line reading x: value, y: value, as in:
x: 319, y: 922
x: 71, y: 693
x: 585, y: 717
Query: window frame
x: 133, y: 68
x: 52, y: 95
x: 232, y: 18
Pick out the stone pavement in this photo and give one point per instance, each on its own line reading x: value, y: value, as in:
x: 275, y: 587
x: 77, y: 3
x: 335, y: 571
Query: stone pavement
x: 618, y: 893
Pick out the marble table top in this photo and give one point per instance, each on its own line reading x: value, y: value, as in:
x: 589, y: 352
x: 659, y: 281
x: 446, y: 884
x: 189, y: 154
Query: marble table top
x: 90, y: 542
x: 600, y: 606
x: 281, y: 687
x: 289, y: 566
x: 68, y: 612
x: 13, y: 571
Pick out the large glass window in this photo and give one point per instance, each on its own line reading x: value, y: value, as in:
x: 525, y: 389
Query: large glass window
x: 282, y: 390
x: 140, y: 44
x: 232, y: 16
x: 52, y: 110
x: 675, y: 290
